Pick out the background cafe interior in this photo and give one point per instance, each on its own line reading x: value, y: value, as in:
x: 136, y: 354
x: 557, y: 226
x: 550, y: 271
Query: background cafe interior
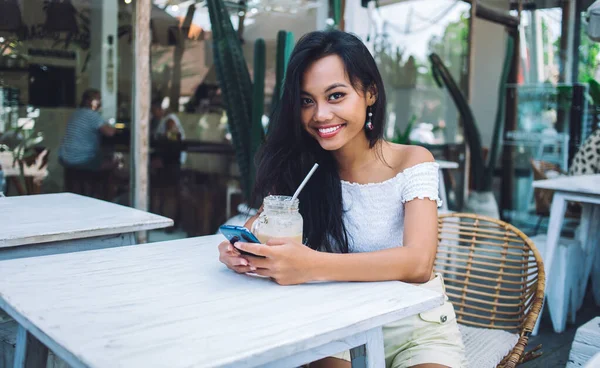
x: 52, y: 51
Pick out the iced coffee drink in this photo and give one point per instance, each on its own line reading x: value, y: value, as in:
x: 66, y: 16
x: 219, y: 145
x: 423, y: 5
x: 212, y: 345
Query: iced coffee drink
x: 280, y: 219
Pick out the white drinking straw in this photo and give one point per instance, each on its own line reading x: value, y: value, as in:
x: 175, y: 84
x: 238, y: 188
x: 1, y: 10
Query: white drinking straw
x: 312, y: 171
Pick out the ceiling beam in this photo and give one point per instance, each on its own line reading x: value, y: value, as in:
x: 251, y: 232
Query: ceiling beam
x: 495, y: 16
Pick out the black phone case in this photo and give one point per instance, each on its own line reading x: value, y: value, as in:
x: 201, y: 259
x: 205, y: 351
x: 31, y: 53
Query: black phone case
x: 235, y: 238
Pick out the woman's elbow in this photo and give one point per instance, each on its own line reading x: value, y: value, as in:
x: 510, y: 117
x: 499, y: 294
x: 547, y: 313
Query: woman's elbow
x: 423, y: 275
x: 424, y: 269
x: 418, y: 274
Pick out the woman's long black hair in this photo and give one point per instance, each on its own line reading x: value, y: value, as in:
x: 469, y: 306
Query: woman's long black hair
x: 289, y: 152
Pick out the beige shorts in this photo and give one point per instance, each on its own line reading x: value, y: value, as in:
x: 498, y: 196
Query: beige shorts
x: 429, y: 337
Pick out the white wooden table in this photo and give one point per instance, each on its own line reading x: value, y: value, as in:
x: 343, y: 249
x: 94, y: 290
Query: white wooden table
x: 447, y: 164
x: 444, y: 165
x: 173, y: 304
x: 59, y: 223
x: 586, y: 190
x: 594, y: 362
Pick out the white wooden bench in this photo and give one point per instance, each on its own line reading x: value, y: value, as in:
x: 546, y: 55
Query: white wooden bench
x: 586, y: 345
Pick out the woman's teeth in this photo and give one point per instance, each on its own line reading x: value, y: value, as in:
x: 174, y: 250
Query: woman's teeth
x: 329, y: 130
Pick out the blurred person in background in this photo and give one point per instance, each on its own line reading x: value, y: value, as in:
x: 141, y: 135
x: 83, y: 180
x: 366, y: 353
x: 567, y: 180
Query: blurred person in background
x: 81, y: 144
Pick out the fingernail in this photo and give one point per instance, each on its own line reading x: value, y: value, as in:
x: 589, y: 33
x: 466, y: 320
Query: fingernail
x: 252, y: 268
x: 244, y: 262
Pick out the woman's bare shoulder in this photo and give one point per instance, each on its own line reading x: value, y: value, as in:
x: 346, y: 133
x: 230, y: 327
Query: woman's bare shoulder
x: 402, y: 156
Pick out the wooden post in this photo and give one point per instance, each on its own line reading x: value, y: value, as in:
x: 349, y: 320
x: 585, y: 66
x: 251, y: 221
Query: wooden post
x: 564, y: 42
x: 576, y: 41
x: 342, y: 12
x: 104, y: 58
x: 29, y: 351
x: 141, y: 108
x: 537, y: 56
x: 564, y: 74
x: 182, y: 35
x: 510, y: 124
x: 469, y: 92
x: 471, y: 51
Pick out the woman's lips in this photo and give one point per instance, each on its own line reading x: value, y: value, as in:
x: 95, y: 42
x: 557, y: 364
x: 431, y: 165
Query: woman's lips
x: 329, y: 131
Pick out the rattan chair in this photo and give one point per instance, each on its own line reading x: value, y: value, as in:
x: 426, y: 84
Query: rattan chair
x: 494, y: 277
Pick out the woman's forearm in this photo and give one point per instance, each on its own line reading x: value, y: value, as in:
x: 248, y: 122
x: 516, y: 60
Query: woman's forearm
x: 408, y: 264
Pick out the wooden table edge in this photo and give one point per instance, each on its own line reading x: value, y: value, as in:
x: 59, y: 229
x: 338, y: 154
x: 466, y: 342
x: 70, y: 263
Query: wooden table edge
x: 257, y: 358
x: 83, y: 234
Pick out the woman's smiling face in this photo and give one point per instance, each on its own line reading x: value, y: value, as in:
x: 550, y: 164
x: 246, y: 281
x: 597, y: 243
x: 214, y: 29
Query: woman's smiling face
x: 333, y: 112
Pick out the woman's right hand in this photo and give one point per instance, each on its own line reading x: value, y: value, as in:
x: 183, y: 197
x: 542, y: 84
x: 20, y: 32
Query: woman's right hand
x: 229, y: 256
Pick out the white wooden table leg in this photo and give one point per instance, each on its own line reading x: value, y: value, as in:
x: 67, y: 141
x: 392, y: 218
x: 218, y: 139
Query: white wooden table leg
x: 586, y: 238
x: 366, y: 350
x: 29, y: 352
x: 557, y: 216
x: 370, y: 355
x: 594, y: 243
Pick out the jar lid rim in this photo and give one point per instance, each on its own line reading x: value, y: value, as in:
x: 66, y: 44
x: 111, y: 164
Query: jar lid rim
x: 281, y: 200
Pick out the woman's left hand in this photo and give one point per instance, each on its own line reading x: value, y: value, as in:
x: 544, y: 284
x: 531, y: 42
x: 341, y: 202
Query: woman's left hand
x: 286, y: 261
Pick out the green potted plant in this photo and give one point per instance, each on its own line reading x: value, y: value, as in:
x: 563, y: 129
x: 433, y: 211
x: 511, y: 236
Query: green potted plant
x: 403, y: 137
x: 13, y: 54
x: 22, y: 146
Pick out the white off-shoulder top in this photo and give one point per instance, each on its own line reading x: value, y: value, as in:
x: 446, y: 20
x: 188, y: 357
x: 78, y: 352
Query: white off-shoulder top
x: 374, y: 213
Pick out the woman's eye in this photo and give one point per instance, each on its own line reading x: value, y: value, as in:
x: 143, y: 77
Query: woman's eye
x: 336, y: 96
x: 306, y: 101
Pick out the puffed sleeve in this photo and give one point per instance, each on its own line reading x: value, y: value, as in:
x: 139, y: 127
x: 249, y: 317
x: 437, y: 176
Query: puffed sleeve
x: 422, y: 181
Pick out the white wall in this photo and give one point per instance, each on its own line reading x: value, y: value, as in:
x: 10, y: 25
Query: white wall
x: 490, y: 45
x: 104, y: 51
x: 356, y: 19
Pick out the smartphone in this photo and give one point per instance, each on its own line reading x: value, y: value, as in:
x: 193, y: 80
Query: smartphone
x: 235, y: 233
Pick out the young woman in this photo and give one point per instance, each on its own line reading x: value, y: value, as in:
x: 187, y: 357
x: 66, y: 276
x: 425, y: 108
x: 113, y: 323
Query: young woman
x: 370, y: 210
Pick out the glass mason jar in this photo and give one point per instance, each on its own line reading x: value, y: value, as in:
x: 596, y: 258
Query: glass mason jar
x: 280, y: 219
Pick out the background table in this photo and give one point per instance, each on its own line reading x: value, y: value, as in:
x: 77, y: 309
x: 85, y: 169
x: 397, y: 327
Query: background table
x: 56, y: 223
x: 174, y: 304
x: 586, y: 190
x: 444, y: 165
x: 60, y: 223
